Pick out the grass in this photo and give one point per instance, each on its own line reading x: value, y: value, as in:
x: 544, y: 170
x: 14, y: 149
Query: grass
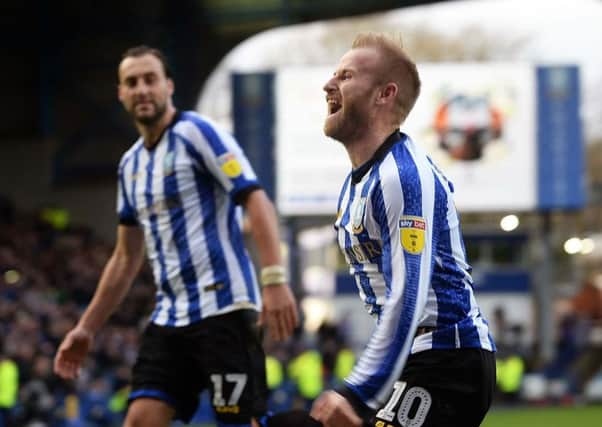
x: 578, y: 416
x: 544, y: 416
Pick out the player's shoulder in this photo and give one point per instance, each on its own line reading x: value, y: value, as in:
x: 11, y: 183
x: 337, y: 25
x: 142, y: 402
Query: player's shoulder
x: 409, y: 154
x: 200, y: 129
x: 129, y: 154
x: 193, y: 121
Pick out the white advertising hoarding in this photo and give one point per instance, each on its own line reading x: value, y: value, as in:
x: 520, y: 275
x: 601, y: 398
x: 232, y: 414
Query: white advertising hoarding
x: 476, y: 120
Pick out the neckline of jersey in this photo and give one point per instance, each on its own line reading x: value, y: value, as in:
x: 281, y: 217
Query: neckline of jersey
x: 358, y: 173
x: 173, y: 121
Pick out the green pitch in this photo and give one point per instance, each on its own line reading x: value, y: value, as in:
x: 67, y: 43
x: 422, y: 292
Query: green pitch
x: 584, y: 416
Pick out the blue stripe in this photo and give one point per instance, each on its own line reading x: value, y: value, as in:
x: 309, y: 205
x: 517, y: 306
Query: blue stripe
x: 219, y: 148
x: 179, y: 231
x: 364, y: 282
x: 244, y: 261
x: 217, y: 258
x: 380, y: 215
x: 155, y: 394
x: 215, y: 142
x: 364, y: 238
x: 453, y: 300
x: 126, y: 212
x: 193, y: 152
x: 163, y: 282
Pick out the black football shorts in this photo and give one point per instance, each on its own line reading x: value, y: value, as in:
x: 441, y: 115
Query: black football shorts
x: 220, y: 353
x: 441, y: 388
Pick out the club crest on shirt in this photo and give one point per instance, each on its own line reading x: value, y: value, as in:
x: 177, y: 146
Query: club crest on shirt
x: 229, y: 165
x: 169, y: 163
x: 412, y: 230
x: 357, y: 220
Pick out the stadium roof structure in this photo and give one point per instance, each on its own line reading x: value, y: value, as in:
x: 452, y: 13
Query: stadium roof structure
x: 465, y: 30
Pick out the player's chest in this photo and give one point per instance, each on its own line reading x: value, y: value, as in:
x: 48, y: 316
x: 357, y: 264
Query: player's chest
x: 357, y: 234
x: 161, y: 181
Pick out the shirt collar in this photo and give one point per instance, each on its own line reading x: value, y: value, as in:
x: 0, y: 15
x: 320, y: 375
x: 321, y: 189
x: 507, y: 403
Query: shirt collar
x: 173, y: 121
x: 358, y: 173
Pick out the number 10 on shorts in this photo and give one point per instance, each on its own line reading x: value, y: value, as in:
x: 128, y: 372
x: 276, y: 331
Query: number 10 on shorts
x: 416, y: 398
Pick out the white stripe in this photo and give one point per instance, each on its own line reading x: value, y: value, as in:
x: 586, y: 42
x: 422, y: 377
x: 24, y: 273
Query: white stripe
x: 168, y: 248
x: 237, y: 280
x: 457, y: 335
x: 482, y: 328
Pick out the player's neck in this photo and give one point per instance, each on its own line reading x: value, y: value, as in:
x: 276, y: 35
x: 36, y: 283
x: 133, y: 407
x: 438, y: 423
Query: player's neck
x: 151, y: 134
x: 362, y: 149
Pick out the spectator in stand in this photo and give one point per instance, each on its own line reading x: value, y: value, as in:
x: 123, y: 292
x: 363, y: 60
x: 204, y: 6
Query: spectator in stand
x: 9, y: 386
x: 39, y: 290
x: 586, y: 305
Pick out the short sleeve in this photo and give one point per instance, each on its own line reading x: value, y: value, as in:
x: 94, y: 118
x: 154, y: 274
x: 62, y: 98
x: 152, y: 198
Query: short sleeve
x: 125, y: 211
x: 222, y: 157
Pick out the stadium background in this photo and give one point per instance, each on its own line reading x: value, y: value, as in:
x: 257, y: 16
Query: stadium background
x: 61, y: 135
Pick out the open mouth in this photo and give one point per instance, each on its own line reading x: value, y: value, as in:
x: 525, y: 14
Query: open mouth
x: 333, y: 106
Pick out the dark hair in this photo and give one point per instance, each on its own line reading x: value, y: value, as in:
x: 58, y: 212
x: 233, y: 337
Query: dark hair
x: 141, y: 50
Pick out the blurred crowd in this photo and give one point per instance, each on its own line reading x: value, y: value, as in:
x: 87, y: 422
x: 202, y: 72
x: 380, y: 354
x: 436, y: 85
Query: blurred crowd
x: 574, y: 374
x: 48, y: 273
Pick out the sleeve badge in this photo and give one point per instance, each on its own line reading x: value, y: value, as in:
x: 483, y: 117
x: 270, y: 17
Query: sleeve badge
x: 412, y: 230
x: 229, y: 165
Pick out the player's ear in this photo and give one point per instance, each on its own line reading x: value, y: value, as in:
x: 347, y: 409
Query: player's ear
x: 171, y: 87
x: 387, y: 93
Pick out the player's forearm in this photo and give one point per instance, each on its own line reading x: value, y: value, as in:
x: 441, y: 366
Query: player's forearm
x: 264, y: 228
x: 113, y: 286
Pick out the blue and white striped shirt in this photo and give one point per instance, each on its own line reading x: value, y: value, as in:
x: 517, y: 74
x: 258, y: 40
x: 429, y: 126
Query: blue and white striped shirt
x: 182, y: 192
x: 399, y: 230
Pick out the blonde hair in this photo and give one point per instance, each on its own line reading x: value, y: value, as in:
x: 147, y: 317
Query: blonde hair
x: 397, y: 67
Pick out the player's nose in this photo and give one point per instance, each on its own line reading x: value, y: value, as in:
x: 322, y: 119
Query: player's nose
x: 329, y: 86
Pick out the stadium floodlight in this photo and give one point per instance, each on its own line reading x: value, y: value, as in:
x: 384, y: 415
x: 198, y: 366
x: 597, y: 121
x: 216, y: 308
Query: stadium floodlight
x: 587, y: 246
x: 12, y: 277
x: 509, y: 222
x: 315, y: 311
x: 573, y: 246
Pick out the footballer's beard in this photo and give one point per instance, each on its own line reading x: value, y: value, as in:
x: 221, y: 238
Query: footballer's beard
x: 150, y: 119
x: 347, y: 126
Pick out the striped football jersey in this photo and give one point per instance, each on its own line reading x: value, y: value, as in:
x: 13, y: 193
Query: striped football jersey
x: 182, y: 193
x: 400, y: 233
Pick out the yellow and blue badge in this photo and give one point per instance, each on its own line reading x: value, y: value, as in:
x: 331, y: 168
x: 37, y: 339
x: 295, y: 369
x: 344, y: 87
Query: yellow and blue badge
x: 412, y: 230
x: 229, y: 165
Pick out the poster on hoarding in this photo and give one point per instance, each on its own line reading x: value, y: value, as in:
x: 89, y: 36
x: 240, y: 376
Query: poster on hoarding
x: 477, y: 121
